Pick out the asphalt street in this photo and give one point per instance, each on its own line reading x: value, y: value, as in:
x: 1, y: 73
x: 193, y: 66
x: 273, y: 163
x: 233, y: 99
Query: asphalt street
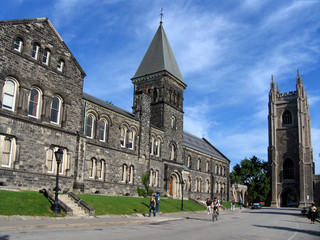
x: 267, y: 223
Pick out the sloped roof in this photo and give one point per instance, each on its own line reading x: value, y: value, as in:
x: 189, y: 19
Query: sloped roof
x: 107, y: 105
x: 202, y: 145
x: 159, y: 57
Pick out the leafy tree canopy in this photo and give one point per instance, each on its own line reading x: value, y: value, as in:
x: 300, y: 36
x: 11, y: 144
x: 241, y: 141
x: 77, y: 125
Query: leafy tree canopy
x: 253, y: 173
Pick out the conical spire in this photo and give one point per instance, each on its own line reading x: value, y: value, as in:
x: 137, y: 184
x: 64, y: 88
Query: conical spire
x: 159, y: 57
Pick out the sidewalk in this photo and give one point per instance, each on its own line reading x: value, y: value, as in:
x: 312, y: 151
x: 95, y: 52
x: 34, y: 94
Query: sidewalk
x: 14, y: 223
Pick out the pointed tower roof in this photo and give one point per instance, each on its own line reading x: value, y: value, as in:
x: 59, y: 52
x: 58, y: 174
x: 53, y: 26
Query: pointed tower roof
x: 159, y: 57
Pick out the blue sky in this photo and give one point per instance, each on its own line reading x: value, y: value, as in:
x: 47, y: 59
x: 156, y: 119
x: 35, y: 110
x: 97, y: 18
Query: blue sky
x: 226, y: 51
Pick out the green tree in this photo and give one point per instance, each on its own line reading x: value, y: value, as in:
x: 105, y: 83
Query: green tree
x: 145, y: 182
x: 253, y: 173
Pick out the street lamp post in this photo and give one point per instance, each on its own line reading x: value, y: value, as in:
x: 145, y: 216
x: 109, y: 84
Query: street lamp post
x: 56, y: 208
x: 182, y: 187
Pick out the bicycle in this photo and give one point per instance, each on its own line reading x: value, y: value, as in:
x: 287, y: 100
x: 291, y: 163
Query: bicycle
x: 215, y: 214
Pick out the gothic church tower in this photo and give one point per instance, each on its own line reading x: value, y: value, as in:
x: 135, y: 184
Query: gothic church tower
x: 159, y: 77
x: 290, y: 153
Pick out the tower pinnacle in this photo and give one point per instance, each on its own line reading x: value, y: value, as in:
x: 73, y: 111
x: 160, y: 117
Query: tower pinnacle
x: 161, y: 15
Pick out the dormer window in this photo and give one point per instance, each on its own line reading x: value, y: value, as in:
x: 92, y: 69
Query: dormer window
x: 46, y: 57
x: 60, y: 65
x: 17, y: 45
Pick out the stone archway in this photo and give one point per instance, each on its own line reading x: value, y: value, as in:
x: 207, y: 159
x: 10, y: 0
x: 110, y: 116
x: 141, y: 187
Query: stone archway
x: 174, y: 185
x: 289, y: 198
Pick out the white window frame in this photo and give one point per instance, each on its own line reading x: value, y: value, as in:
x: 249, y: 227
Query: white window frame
x: 173, y: 152
x: 57, y: 110
x: 100, y: 167
x: 131, y: 139
x: 156, y: 182
x: 46, y: 56
x: 36, y: 103
x: 92, y: 168
x: 199, y: 164
x: 102, y: 130
x: 150, y: 177
x: 18, y: 44
x: 64, y: 161
x: 11, y: 152
x: 8, y: 95
x: 152, y: 145
x: 60, y: 65
x: 35, y: 51
x: 123, y: 136
x: 92, y: 126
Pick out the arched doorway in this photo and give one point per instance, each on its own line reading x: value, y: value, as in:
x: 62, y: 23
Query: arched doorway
x: 289, y: 198
x: 174, y: 185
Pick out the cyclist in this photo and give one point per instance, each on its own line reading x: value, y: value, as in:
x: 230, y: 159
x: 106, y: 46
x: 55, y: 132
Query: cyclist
x: 215, y: 208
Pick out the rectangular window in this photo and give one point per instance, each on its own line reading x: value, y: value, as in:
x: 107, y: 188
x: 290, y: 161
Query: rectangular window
x: 45, y: 57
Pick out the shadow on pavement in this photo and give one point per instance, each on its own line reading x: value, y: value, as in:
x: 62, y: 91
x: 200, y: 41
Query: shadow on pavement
x: 274, y: 211
x: 310, y: 232
x: 199, y: 219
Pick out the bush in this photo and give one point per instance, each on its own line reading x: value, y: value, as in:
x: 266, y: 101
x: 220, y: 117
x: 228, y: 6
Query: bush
x: 141, y: 192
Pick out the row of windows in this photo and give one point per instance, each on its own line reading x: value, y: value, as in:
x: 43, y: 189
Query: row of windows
x: 219, y: 170
x: 286, y: 118
x: 36, y: 52
x: 10, y: 93
x: 219, y: 186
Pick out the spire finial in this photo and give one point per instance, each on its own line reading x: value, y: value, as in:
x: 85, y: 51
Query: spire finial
x: 272, y: 77
x: 298, y: 73
x: 161, y: 15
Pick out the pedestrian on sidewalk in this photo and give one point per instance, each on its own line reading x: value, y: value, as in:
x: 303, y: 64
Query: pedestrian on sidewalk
x: 208, y: 203
x: 232, y: 205
x: 152, y: 206
x: 313, y: 213
x: 240, y: 204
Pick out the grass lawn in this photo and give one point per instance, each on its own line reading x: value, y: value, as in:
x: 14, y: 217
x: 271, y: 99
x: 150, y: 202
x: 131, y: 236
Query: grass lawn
x: 32, y: 203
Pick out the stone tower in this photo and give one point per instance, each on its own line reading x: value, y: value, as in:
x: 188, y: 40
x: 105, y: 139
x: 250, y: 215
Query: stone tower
x: 159, y: 76
x: 290, y: 152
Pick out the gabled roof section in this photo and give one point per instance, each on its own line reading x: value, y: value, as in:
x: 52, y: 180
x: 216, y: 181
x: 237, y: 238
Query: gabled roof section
x: 107, y: 105
x: 159, y: 57
x: 202, y: 145
x: 45, y: 20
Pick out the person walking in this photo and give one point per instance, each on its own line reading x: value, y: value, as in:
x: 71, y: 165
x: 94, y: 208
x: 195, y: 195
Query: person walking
x: 232, y: 205
x: 208, y: 204
x: 313, y: 213
x: 152, y: 206
x: 240, y: 204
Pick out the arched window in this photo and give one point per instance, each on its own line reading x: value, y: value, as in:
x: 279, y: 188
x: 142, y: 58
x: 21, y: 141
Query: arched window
x: 288, y: 169
x: 102, y: 130
x: 131, y: 172
x: 123, y: 136
x: 152, y: 143
x: 189, y: 161
x: 7, y: 150
x: 220, y: 170
x: 173, y: 152
x: 51, y: 163
x: 173, y: 122
x: 151, y: 177
x: 199, y: 164
x: 131, y: 138
x: 89, y: 126
x: 92, y: 168
x: 9, y: 94
x: 18, y: 44
x: 216, y: 169
x: 156, y: 183
x: 207, y: 166
x: 157, y: 147
x: 286, y: 118
x: 55, y: 109
x: 35, y: 51
x: 189, y: 183
x: 34, y: 103
x: 100, y: 169
x: 60, y: 65
x: 207, y: 186
x: 46, y: 56
x: 124, y: 173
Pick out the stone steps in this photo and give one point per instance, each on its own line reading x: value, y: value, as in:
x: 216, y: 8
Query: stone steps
x: 77, y: 211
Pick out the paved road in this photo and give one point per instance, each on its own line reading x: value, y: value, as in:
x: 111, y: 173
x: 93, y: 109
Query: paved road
x: 247, y: 224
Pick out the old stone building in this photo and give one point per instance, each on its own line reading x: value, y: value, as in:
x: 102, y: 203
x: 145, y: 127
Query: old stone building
x: 290, y: 151
x: 106, y: 149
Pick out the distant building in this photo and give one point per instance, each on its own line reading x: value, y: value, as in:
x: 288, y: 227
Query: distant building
x: 106, y: 149
x: 290, y: 151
